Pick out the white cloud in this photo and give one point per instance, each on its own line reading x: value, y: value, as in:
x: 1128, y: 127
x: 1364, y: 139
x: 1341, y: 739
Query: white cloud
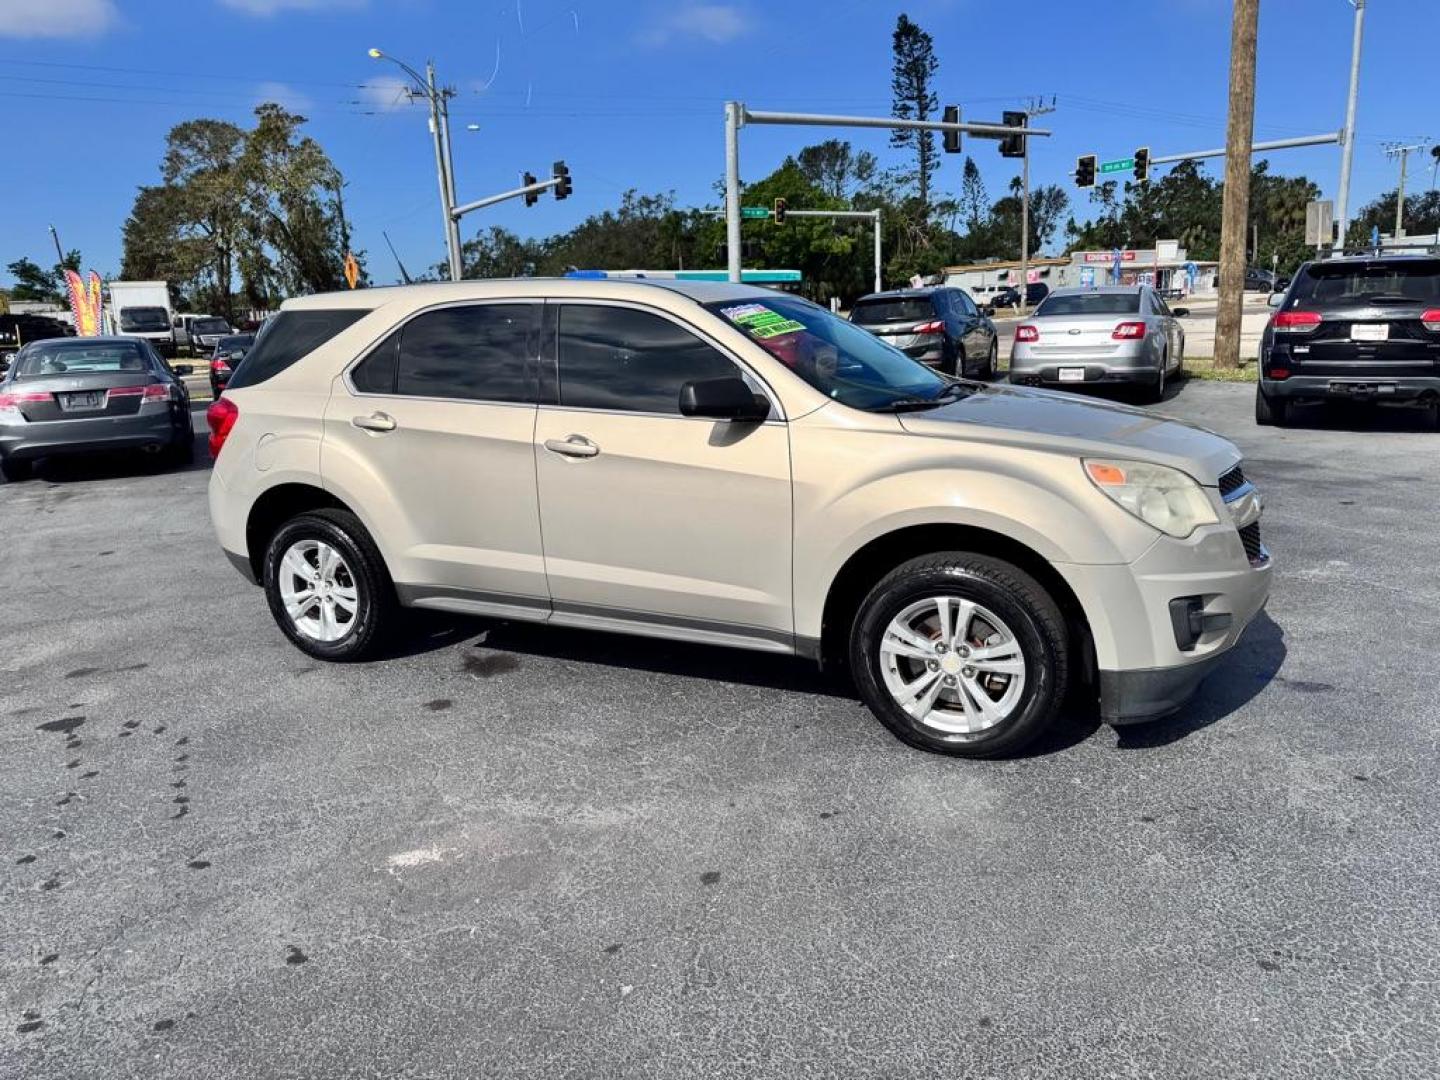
x: 266, y: 8
x: 717, y: 24
x: 385, y: 92
x: 282, y: 94
x: 57, y: 18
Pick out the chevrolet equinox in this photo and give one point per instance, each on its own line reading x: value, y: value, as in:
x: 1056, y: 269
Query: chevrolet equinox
x: 719, y: 463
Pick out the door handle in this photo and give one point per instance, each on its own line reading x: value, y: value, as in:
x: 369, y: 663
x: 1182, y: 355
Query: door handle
x: 376, y: 421
x: 572, y: 446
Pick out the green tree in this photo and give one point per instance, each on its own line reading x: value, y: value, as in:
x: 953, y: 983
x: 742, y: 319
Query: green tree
x: 835, y: 168
x: 34, y: 282
x: 913, y: 98
x: 1422, y: 216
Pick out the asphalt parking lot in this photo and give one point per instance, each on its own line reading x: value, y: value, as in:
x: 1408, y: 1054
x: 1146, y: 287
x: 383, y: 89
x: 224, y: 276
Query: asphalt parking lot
x: 522, y: 852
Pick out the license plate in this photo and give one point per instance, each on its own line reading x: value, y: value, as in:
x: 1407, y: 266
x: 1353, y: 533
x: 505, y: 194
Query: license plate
x: 92, y: 399
x: 1370, y: 332
x: 1072, y: 374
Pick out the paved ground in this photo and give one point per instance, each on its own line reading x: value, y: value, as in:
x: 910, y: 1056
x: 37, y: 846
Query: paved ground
x: 516, y: 852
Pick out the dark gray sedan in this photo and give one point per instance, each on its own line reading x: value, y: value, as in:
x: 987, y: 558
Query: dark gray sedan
x: 77, y: 395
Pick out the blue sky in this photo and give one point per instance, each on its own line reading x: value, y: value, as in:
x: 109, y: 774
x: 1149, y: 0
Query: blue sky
x: 631, y: 94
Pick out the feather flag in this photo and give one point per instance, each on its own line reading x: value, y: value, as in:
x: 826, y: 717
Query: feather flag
x: 84, y: 302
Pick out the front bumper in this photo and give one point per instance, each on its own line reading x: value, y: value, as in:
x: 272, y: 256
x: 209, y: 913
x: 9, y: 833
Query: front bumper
x: 1144, y: 670
x: 1377, y: 387
x: 148, y: 429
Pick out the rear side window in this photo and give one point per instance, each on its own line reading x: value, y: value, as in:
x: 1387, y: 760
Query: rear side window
x: 480, y: 352
x: 289, y: 337
x: 620, y: 358
x: 1378, y: 282
x: 1096, y: 303
x: 376, y: 373
x: 873, y: 312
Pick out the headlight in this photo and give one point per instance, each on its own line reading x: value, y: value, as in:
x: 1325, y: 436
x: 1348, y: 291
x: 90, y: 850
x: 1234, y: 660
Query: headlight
x: 1158, y: 495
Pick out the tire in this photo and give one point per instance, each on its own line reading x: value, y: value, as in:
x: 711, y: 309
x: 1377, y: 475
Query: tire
x: 1032, y: 625
x: 957, y: 363
x: 992, y: 361
x: 1156, y: 393
x: 1270, y: 411
x: 360, y: 579
x: 16, y: 471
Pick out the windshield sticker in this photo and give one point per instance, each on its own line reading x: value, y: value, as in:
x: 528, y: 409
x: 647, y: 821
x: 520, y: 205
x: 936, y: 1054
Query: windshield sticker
x: 761, y: 321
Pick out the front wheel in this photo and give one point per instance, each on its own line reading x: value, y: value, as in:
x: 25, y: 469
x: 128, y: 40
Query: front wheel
x: 961, y: 654
x: 327, y: 586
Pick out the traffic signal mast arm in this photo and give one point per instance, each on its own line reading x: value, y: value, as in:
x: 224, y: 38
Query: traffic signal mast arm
x: 528, y: 191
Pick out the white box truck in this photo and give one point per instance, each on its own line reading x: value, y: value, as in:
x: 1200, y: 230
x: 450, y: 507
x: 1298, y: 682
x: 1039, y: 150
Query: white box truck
x: 141, y: 309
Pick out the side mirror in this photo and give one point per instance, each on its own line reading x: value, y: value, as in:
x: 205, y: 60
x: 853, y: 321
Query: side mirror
x: 723, y: 399
x: 1180, y: 312
x: 1276, y: 299
x: 183, y: 370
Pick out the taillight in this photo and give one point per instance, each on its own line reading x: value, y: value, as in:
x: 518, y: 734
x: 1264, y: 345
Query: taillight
x: 14, y: 401
x: 1129, y: 331
x: 152, y: 392
x: 1431, y: 319
x: 1296, y: 322
x: 221, y: 417
x: 1027, y: 333
x: 930, y: 327
x: 219, y: 367
x: 1279, y: 373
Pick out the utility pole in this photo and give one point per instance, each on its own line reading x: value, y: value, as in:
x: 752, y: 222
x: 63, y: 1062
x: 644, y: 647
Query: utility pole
x: 1037, y: 107
x: 1236, y: 206
x: 59, y: 254
x: 437, y: 97
x: 1347, y: 149
x: 1392, y: 151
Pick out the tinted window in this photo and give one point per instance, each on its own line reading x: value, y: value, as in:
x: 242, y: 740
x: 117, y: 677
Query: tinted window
x: 913, y: 309
x: 1416, y: 280
x: 482, y: 352
x: 210, y: 326
x: 376, y: 373
x: 287, y: 338
x: 967, y: 306
x: 620, y: 358
x: 1091, y: 303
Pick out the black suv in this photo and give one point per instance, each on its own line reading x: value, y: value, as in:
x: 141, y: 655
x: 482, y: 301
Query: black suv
x: 1361, y: 328
x: 939, y: 326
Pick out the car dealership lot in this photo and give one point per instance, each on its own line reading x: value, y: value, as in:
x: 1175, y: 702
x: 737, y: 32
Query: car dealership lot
x: 516, y: 851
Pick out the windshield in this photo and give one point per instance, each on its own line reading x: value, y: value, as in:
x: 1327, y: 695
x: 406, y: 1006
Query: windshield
x: 45, y: 360
x: 141, y: 319
x: 210, y: 326
x: 871, y: 312
x: 1090, y: 304
x: 1343, y: 283
x: 843, y: 362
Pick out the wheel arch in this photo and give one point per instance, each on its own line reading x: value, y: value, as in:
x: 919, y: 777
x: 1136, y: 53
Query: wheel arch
x: 276, y: 506
x: 871, y: 562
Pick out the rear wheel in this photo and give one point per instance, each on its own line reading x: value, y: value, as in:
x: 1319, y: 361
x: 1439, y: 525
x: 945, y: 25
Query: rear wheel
x: 1270, y: 411
x: 1156, y: 391
x: 961, y: 654
x: 328, y: 588
x: 992, y: 361
x: 15, y: 471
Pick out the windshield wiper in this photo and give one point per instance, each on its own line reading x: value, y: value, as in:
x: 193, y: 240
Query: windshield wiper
x: 954, y: 392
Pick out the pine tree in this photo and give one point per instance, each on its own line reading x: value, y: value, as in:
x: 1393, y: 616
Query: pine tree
x: 915, y: 99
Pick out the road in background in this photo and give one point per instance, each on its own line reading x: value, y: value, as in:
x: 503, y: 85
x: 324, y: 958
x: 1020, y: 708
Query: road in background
x: 519, y: 851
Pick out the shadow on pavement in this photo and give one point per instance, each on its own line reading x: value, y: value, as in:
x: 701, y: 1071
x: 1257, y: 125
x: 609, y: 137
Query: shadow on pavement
x: 1361, y: 417
x: 1250, y: 666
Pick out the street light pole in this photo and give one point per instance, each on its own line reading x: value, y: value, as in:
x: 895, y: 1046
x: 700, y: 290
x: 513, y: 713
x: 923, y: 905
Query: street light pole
x: 1347, y: 150
x: 439, y: 133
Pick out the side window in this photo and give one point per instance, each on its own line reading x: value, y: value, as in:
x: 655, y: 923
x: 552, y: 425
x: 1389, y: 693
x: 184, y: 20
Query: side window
x: 620, y: 358
x: 967, y: 306
x: 481, y: 352
x: 376, y: 373
x: 289, y: 337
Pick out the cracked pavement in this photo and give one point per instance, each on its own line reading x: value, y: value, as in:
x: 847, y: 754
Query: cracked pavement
x: 517, y: 851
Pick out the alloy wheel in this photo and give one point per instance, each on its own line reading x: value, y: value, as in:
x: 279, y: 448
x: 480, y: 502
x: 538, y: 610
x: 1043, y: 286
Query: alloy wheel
x: 319, y: 591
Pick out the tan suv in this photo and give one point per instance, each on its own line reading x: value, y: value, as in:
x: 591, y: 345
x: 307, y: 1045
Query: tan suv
x: 723, y: 464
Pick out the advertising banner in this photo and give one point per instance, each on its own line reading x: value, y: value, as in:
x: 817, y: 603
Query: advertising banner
x: 85, y: 302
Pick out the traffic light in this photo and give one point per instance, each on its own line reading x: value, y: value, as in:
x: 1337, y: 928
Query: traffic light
x: 952, y: 138
x: 1085, y: 170
x: 561, y: 172
x: 1142, y: 165
x: 531, y: 197
x: 1013, y: 145
x: 780, y: 207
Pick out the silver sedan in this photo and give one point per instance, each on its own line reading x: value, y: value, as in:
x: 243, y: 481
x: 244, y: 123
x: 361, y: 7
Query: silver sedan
x: 1116, y: 334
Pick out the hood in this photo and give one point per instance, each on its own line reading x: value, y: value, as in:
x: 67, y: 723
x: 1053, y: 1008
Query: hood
x: 1076, y: 426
